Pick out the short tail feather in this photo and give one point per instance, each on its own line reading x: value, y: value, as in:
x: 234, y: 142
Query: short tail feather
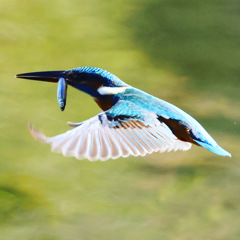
x: 215, y: 149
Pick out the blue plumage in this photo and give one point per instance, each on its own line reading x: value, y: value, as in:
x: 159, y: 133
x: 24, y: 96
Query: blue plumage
x: 134, y: 102
x: 96, y: 74
x: 132, y: 122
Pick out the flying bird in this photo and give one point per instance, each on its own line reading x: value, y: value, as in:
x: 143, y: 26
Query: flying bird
x: 132, y: 122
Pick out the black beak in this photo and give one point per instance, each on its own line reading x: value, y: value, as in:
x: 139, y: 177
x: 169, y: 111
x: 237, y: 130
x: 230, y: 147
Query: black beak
x: 49, y: 76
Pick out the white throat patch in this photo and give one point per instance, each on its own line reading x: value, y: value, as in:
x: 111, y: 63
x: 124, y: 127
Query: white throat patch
x: 111, y: 90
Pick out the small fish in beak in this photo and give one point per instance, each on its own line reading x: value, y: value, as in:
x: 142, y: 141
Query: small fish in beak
x: 62, y: 93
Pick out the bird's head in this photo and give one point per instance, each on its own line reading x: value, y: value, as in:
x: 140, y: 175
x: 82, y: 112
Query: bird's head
x: 93, y: 81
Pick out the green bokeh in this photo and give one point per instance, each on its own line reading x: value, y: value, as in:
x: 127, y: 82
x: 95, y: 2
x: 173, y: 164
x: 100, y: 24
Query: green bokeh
x: 185, y: 52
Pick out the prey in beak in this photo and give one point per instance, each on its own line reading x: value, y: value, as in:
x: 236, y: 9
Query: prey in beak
x: 50, y: 76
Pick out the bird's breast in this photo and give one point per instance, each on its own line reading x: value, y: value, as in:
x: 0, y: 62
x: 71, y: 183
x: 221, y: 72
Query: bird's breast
x: 105, y: 103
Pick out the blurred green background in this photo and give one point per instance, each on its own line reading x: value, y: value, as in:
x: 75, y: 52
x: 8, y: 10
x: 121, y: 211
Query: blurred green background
x: 186, y: 52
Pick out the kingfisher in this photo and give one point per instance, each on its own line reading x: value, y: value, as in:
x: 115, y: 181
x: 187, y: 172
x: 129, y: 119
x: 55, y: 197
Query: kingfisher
x: 132, y: 122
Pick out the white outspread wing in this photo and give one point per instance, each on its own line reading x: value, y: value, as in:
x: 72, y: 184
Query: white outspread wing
x: 92, y: 139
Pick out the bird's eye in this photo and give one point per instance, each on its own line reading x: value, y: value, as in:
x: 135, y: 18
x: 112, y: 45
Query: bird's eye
x: 84, y: 82
x: 71, y: 73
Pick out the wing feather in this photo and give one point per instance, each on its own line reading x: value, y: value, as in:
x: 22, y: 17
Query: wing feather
x: 97, y: 139
x: 95, y: 145
x: 113, y: 146
x: 106, y: 151
x: 130, y: 147
x: 135, y: 143
x: 125, y: 150
x: 142, y: 138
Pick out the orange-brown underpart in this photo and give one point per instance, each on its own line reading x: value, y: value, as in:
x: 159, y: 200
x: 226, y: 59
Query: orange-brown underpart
x: 104, y: 103
x: 181, y: 132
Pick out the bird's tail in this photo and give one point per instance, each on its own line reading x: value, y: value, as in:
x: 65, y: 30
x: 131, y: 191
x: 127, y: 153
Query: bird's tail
x: 37, y: 135
x: 214, y: 148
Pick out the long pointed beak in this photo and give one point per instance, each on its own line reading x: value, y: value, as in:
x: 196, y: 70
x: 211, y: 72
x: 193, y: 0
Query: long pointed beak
x: 49, y: 76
